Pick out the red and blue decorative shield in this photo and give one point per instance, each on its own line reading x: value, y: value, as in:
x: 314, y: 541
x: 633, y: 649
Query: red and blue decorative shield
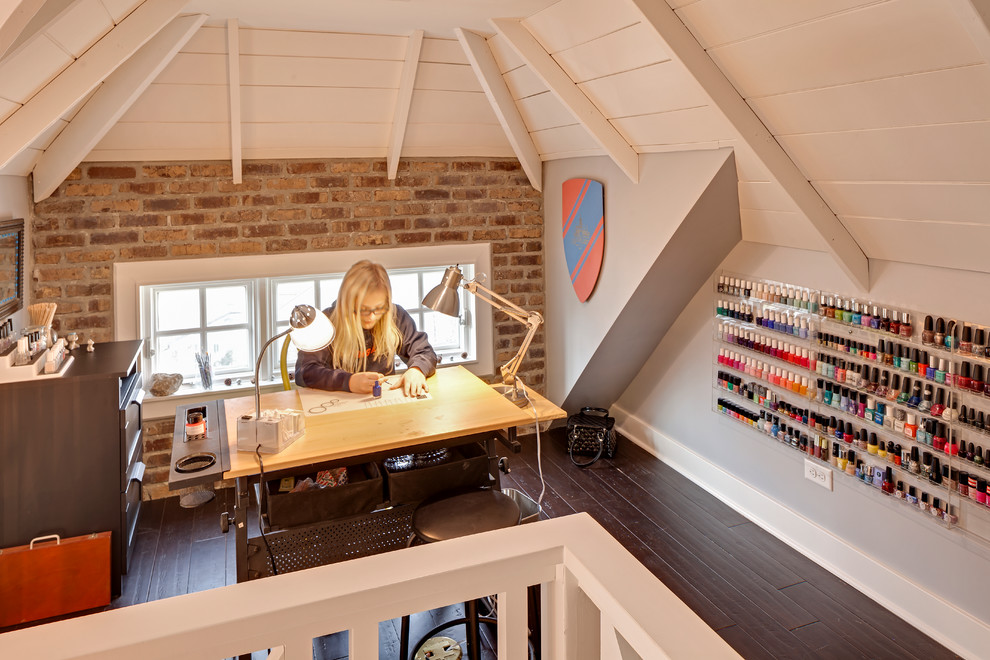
x: 584, y: 233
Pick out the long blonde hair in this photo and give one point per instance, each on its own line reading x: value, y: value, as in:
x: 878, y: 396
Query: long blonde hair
x: 348, y: 343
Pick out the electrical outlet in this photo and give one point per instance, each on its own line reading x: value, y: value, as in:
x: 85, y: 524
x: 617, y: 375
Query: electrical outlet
x: 820, y: 474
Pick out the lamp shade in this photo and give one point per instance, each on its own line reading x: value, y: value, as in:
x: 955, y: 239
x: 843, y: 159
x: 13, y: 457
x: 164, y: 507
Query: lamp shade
x: 443, y: 297
x: 311, y: 329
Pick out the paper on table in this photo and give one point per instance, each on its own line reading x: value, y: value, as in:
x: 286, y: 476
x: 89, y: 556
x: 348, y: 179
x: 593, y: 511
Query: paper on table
x: 321, y: 402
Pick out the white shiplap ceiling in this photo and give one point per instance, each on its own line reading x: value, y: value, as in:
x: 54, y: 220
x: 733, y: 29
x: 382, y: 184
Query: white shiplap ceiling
x: 880, y: 107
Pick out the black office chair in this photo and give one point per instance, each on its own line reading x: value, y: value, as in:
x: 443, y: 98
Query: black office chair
x: 449, y: 516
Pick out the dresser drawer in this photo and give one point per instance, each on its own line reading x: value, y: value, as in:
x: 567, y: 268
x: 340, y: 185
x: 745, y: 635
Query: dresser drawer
x: 131, y: 448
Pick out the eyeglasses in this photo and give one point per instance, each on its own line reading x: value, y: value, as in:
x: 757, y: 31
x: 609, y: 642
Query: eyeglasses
x: 377, y: 311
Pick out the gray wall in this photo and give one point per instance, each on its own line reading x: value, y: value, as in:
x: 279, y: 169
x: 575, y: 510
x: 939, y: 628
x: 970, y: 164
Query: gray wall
x: 894, y: 553
x: 640, y: 220
x: 15, y: 202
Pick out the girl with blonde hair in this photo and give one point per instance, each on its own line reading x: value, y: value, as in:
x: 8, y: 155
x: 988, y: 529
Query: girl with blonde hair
x: 369, y: 331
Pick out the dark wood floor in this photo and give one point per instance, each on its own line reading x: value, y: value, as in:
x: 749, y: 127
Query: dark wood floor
x: 762, y: 597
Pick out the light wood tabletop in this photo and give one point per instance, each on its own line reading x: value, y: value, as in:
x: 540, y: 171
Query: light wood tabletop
x: 460, y: 404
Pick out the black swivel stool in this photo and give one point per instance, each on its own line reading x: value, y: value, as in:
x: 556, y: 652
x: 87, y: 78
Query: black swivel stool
x: 449, y: 516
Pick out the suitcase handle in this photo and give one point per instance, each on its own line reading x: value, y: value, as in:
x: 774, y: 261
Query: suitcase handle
x: 39, y: 539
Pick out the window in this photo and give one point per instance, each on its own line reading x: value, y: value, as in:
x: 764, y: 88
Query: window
x: 231, y: 319
x: 211, y: 318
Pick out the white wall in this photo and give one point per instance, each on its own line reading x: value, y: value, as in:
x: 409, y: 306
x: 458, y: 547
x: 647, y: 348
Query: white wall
x: 640, y: 219
x: 934, y: 577
x: 15, y: 202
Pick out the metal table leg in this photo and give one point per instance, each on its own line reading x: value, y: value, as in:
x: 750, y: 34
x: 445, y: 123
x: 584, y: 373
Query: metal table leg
x: 241, y: 503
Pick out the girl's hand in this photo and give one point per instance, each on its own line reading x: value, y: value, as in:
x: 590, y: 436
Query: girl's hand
x: 362, y: 382
x: 413, y: 382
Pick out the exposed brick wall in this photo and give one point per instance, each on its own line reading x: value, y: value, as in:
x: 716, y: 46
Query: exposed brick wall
x: 105, y: 213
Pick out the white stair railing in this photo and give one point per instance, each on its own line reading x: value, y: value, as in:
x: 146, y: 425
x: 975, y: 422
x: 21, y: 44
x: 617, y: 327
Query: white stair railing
x: 597, y: 602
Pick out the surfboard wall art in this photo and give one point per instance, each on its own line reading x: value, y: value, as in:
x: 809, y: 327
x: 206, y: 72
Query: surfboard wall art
x: 584, y: 233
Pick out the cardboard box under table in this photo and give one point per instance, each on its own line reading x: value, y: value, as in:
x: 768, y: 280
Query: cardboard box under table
x: 53, y: 576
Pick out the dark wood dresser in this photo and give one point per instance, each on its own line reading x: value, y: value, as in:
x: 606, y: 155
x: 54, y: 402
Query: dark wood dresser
x: 70, y: 452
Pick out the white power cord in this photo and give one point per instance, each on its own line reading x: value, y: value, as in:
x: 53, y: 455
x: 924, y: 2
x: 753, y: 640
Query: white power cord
x: 539, y: 452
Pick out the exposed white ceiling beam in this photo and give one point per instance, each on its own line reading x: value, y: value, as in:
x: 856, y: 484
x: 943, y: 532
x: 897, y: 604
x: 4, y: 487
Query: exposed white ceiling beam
x: 584, y: 111
x: 400, y: 119
x: 485, y: 67
x: 29, y: 121
x: 234, y: 92
x: 14, y: 17
x: 686, y: 49
x: 975, y: 18
x: 109, y: 103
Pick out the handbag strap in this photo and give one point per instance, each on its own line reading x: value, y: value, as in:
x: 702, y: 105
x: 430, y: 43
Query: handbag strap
x: 601, y: 448
x: 589, y: 409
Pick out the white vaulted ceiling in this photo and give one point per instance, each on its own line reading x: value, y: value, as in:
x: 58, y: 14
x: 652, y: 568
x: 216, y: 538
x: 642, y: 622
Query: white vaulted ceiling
x: 861, y: 127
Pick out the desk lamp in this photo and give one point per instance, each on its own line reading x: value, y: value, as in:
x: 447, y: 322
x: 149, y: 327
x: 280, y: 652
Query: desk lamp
x: 444, y: 299
x: 309, y: 330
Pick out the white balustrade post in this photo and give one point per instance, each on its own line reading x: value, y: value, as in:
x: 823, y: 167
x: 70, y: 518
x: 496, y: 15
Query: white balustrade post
x: 513, y: 629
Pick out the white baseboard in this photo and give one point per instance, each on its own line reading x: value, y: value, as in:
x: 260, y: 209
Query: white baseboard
x: 952, y: 627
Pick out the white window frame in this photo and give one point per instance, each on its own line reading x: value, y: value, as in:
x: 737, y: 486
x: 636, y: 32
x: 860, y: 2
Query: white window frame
x: 129, y: 277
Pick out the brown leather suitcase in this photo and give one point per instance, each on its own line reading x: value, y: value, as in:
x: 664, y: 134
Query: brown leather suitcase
x: 53, y: 576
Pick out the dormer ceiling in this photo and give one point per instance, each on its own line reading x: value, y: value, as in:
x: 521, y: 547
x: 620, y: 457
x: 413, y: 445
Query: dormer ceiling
x: 860, y: 127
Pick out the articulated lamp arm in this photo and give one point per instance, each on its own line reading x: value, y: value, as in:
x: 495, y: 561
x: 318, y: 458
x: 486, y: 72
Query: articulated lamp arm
x: 533, y: 320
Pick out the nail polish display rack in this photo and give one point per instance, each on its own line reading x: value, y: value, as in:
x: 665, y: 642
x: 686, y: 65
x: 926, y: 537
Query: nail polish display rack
x: 901, y: 409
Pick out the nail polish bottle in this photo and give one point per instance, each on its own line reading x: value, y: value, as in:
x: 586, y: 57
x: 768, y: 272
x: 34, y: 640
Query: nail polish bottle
x: 948, y: 515
x: 847, y: 434
x: 978, y: 457
x: 915, y: 464
x: 885, y: 321
x: 966, y: 344
x: 882, y: 448
x: 895, y: 323
x: 986, y: 346
x: 979, y: 339
x: 875, y: 319
x: 936, y: 508
x: 905, y: 391
x: 906, y: 327
x: 922, y: 369
x: 871, y: 446
x: 953, y: 443
x: 926, y: 465
x: 981, y: 491
x: 923, y: 502
x: 899, y: 492
x: 894, y: 452
x: 936, y: 475
x: 964, y: 380
x: 939, y: 338
x: 912, y: 497
x: 950, y: 373
x: 914, y: 400
x: 931, y: 367
x: 977, y: 384
x: 883, y: 389
x: 911, y: 425
x: 851, y: 462
x: 857, y: 316
x: 861, y: 404
x: 951, y: 328
x: 964, y: 484
x: 888, y: 481
x: 939, y: 440
x: 928, y: 334
x: 867, y: 319
x: 925, y: 405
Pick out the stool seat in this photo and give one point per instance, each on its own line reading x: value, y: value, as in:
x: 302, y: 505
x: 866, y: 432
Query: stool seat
x: 472, y: 512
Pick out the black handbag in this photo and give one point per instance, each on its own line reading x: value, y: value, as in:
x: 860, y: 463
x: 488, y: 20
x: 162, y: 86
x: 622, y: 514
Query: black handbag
x: 590, y: 432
